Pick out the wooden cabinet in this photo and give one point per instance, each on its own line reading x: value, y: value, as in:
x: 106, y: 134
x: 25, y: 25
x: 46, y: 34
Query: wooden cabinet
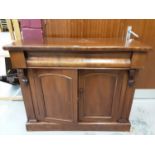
x: 70, y: 84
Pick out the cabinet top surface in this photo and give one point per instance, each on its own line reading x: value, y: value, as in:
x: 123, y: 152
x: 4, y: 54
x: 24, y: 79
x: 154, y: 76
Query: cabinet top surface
x: 71, y: 44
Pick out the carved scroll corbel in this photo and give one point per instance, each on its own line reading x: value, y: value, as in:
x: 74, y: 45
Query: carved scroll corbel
x: 22, y: 75
x: 131, y: 79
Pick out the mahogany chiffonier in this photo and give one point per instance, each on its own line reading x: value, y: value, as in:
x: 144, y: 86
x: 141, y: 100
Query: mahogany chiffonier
x: 78, y: 84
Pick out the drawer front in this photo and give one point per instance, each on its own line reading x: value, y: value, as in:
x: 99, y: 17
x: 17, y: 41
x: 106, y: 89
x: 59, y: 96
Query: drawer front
x: 79, y: 60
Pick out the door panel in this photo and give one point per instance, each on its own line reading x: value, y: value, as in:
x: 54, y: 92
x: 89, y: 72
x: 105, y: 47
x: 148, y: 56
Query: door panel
x: 56, y: 94
x: 100, y: 93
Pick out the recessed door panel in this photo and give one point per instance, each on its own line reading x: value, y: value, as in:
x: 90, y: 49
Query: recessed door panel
x: 56, y: 94
x: 99, y: 95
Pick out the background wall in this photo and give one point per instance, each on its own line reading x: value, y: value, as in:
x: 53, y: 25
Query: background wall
x: 107, y: 29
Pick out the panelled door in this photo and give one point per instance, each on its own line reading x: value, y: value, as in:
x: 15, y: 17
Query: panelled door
x: 71, y: 96
x: 101, y: 95
x: 54, y: 94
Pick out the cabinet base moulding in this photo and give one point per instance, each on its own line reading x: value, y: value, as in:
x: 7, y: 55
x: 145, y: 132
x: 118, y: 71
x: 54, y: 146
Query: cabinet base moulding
x: 43, y: 126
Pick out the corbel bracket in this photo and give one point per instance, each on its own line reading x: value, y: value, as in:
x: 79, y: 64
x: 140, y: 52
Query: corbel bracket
x: 131, y: 79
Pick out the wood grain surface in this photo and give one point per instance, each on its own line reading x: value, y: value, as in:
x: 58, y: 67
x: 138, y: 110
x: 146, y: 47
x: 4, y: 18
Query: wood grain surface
x: 109, y: 28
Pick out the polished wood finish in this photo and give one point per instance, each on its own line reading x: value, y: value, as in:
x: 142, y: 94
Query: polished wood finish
x: 99, y: 93
x: 71, y: 44
x: 146, y: 30
x: 79, y: 60
x: 76, y: 84
x: 44, y: 126
x: 84, y: 28
x: 108, y: 28
x: 18, y: 55
x: 58, y: 103
x: 26, y: 92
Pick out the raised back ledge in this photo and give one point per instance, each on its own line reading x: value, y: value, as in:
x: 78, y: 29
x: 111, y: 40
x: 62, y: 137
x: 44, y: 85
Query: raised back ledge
x: 75, y: 44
